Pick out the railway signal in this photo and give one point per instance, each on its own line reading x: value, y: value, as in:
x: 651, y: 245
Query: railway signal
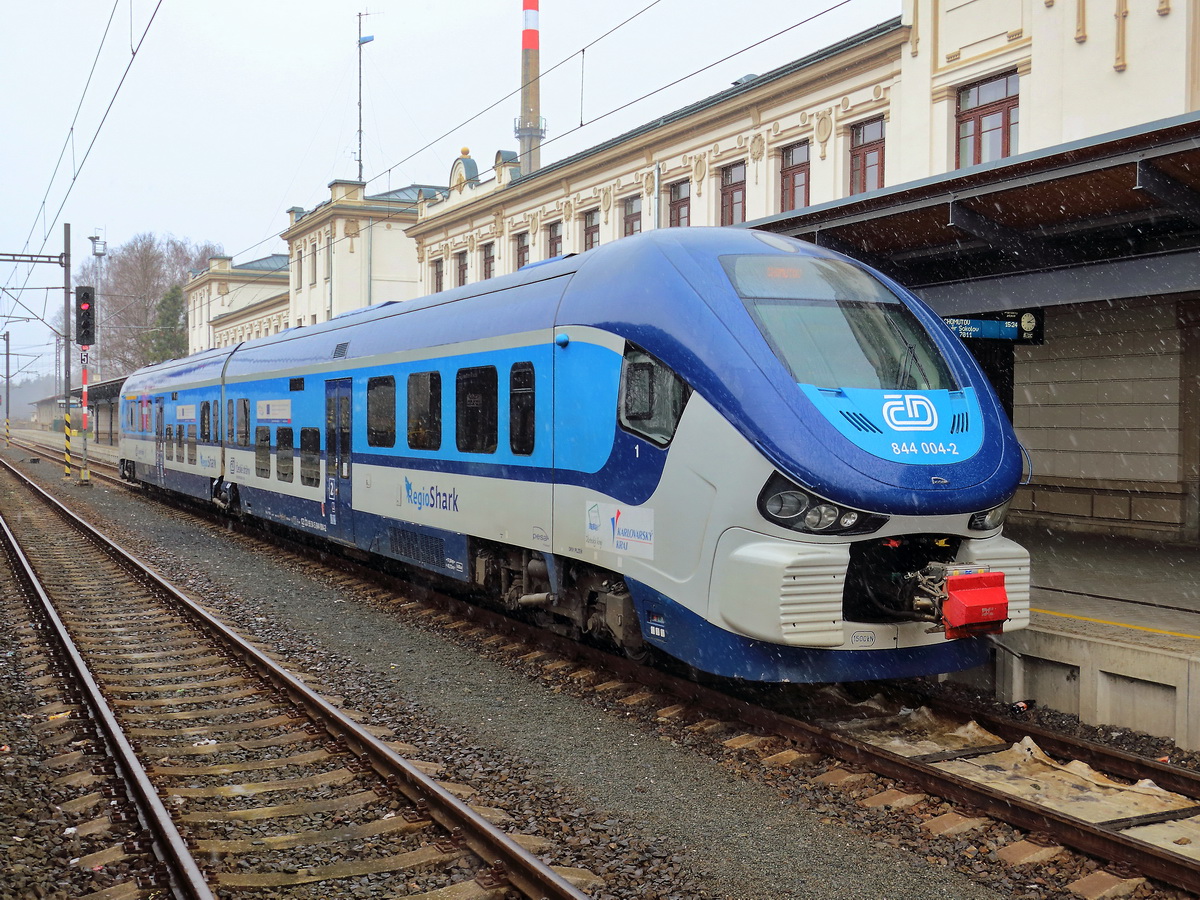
x: 85, y: 316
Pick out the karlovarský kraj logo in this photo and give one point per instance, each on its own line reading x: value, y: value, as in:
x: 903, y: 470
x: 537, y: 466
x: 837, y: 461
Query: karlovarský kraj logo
x: 909, y: 412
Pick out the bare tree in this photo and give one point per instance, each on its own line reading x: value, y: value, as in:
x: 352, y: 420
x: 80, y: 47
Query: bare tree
x: 136, y: 277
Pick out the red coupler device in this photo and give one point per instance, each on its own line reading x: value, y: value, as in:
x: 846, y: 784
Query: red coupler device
x: 975, y: 604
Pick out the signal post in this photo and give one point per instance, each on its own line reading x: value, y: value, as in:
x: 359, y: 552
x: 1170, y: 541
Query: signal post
x: 85, y: 336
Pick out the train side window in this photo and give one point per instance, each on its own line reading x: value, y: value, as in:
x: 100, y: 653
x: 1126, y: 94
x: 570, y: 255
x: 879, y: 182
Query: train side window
x: 191, y: 445
x: 229, y: 421
x: 170, y: 442
x: 262, y: 451
x: 243, y: 422
x: 425, y: 410
x: 521, y: 431
x: 206, y: 421
x: 652, y: 397
x: 179, y: 443
x: 310, y: 456
x: 381, y: 411
x: 475, y: 413
x: 284, y: 458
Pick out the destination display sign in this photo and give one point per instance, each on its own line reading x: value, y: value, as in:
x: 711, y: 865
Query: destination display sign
x: 1021, y: 325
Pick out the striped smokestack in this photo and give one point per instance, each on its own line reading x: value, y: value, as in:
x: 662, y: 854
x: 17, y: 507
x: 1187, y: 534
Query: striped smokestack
x: 530, y: 127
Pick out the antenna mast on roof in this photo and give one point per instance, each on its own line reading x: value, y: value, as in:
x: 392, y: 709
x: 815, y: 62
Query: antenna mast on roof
x: 362, y: 39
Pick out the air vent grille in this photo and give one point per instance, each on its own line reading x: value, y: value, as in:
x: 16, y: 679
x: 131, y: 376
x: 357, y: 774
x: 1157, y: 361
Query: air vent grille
x: 960, y: 423
x: 420, y: 548
x: 861, y: 422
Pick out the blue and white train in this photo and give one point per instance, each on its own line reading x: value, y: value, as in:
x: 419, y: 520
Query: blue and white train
x: 755, y: 455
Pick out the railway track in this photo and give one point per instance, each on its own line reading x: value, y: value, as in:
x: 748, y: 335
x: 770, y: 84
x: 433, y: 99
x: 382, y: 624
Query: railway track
x: 242, y: 776
x: 1142, y: 815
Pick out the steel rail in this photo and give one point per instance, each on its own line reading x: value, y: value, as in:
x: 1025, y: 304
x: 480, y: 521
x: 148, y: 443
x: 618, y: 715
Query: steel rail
x: 187, y: 879
x: 522, y: 869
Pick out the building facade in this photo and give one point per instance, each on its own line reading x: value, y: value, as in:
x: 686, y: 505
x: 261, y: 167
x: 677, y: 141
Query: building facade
x: 946, y: 86
x: 227, y: 303
x: 346, y: 253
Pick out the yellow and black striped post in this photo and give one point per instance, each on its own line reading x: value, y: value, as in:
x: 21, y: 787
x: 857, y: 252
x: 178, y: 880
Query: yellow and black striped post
x: 67, y: 440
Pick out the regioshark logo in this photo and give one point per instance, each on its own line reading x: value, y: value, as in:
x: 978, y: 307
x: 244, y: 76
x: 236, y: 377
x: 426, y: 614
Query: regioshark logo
x: 431, y: 497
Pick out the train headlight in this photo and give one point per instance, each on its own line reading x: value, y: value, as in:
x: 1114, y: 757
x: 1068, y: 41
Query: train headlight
x: 821, y: 517
x: 787, y: 504
x: 990, y: 519
x: 790, y: 506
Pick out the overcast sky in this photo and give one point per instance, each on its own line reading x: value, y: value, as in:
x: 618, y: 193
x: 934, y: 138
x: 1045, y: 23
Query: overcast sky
x: 232, y: 112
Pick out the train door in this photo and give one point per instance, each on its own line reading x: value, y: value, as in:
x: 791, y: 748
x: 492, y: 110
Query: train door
x: 159, y: 445
x: 339, y: 506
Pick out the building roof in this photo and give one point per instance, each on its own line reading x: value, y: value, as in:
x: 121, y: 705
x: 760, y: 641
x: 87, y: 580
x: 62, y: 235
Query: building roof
x: 276, y: 262
x: 407, y: 194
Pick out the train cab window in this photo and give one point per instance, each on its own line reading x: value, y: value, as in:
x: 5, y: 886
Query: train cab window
x: 652, y: 397
x: 262, y: 451
x: 381, y: 411
x: 310, y: 456
x: 229, y: 421
x: 191, y: 445
x: 170, y: 442
x: 475, y: 412
x: 425, y: 410
x: 832, y: 325
x: 521, y: 430
x: 206, y: 421
x: 243, y: 422
x: 285, y: 461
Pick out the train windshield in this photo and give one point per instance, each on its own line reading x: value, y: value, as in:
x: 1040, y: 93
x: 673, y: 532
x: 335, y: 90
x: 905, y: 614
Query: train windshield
x: 834, y: 326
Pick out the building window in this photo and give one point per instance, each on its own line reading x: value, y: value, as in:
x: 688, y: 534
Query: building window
x: 487, y: 258
x: 328, y: 258
x: 631, y: 215
x: 312, y: 264
x: 460, y: 269
x: 793, y: 177
x: 521, y: 243
x: 439, y: 276
x: 554, y: 240
x: 866, y: 156
x: 475, y: 407
x: 988, y: 119
x: 679, y: 208
x: 298, y: 268
x: 591, y: 229
x: 733, y: 194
